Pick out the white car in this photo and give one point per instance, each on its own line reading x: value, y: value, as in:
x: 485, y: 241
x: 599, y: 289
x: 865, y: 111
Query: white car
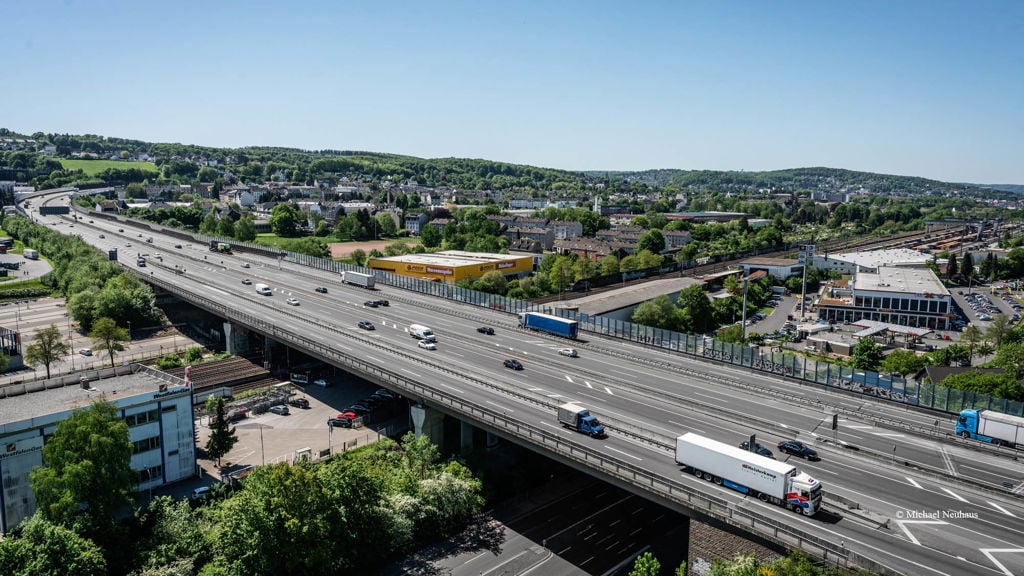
x: 427, y: 345
x: 570, y: 352
x: 292, y: 301
x: 85, y: 352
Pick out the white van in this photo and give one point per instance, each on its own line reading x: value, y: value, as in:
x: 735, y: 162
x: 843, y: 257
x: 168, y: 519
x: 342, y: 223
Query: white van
x: 263, y: 289
x: 421, y: 332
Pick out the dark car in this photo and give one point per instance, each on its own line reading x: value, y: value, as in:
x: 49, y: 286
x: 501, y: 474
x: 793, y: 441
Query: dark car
x: 370, y: 303
x: 359, y: 409
x: 486, y: 330
x: 340, y: 422
x: 382, y: 303
x: 758, y: 449
x: 385, y: 393
x: 513, y: 364
x: 299, y: 402
x: 321, y: 289
x: 367, y: 325
x: 797, y: 448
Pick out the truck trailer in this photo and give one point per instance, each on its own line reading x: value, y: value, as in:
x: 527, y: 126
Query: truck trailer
x: 30, y: 254
x: 550, y: 324
x: 749, y: 473
x: 579, y: 419
x: 357, y: 278
x: 215, y: 246
x: 993, y: 427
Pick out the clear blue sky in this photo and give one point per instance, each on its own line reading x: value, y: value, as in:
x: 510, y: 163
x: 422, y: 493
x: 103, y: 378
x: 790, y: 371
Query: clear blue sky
x: 925, y: 88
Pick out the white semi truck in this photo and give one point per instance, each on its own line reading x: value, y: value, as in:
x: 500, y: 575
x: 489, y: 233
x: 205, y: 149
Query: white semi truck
x: 770, y: 480
x: 993, y: 427
x: 357, y: 278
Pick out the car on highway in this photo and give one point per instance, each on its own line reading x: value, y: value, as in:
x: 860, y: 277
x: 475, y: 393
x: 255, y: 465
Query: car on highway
x: 370, y: 303
x: 120, y: 229
x: 513, y: 364
x: 427, y: 345
x: 279, y: 409
x: 382, y: 303
x: 320, y: 289
x: 486, y: 330
x: 292, y: 301
x: 245, y: 265
x: 797, y: 448
x: 102, y: 236
x: 758, y: 449
x: 367, y: 325
x: 299, y: 402
x: 570, y: 352
x: 246, y: 281
x: 177, y: 245
x: 85, y: 352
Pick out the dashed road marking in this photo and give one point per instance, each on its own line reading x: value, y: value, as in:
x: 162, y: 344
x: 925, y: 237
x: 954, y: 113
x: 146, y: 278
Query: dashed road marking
x: 588, y: 384
x: 1001, y: 509
x: 569, y: 378
x: 954, y: 495
x: 990, y: 551
x: 913, y: 482
x: 608, y: 390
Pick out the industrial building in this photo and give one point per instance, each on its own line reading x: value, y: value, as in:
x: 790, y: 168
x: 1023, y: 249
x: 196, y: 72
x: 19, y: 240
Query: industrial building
x: 780, y: 268
x: 453, y: 265
x: 871, y: 260
x: 158, y: 414
x: 904, y: 296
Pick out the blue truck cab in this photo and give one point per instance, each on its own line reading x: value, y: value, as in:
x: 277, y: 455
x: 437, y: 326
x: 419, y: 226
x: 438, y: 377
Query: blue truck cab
x: 579, y: 419
x: 991, y: 427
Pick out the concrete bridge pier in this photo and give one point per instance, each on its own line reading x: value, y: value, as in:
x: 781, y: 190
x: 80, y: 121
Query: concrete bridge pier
x: 236, y: 339
x: 429, y: 422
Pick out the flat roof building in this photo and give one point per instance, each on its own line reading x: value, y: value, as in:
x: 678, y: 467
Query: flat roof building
x: 780, y: 268
x: 157, y: 408
x: 871, y: 260
x: 452, y: 265
x: 904, y: 296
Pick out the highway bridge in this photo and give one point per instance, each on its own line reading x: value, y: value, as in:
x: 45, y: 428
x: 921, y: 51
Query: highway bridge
x: 902, y: 494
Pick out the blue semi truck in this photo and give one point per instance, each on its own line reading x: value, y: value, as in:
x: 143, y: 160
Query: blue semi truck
x: 550, y: 324
x: 992, y: 427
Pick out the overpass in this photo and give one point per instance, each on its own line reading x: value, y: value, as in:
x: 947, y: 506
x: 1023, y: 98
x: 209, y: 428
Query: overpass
x: 646, y: 397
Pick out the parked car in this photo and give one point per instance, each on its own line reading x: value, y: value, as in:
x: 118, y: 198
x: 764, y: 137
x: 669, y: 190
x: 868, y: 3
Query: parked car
x: 758, y: 448
x: 797, y: 448
x: 385, y: 393
x: 427, y: 345
x: 292, y: 301
x: 486, y: 330
x: 321, y: 289
x: 85, y: 352
x: 513, y: 364
x: 279, y: 409
x: 299, y: 402
x: 570, y: 352
x: 358, y: 409
x: 340, y: 422
x: 366, y: 325
x: 201, y: 493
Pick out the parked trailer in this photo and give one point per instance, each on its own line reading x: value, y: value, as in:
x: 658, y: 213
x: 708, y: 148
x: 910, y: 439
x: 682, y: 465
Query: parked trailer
x: 550, y: 324
x: 357, y: 278
x: 770, y: 480
x: 30, y: 254
x: 993, y: 427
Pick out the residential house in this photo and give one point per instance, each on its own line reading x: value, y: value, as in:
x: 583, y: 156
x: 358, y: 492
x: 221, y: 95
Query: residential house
x: 543, y: 235
x: 566, y: 229
x: 414, y: 223
x: 676, y: 238
x: 592, y: 248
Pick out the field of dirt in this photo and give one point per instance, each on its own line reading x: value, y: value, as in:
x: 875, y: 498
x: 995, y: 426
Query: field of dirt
x: 342, y: 250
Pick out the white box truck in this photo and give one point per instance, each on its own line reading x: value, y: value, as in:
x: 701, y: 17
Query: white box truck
x: 421, y: 332
x: 357, y: 278
x: 770, y: 480
x: 30, y: 254
x: 263, y: 290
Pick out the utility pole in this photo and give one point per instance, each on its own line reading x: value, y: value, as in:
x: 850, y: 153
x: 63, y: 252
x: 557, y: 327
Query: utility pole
x: 746, y: 283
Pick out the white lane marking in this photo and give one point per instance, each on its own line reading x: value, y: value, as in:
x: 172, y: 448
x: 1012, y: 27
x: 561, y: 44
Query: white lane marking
x: 626, y: 454
x: 903, y: 524
x: 450, y: 387
x: 626, y: 374
x: 1001, y: 509
x: 608, y: 390
x: 889, y: 434
x: 534, y: 389
x: 411, y: 372
x: 949, y: 462
x: 374, y: 359
x: 988, y: 552
x: 588, y: 384
x: 553, y: 395
x: 857, y: 426
x: 715, y: 398
x: 686, y: 426
x: 506, y: 409
x: 474, y: 557
x: 569, y: 378
x: 914, y: 482
x: 954, y: 494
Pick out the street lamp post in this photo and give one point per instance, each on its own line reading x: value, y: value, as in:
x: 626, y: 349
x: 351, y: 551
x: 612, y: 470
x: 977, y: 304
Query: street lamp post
x: 129, y: 330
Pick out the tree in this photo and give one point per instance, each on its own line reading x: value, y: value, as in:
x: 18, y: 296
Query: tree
x: 971, y: 336
x: 646, y: 565
x: 967, y: 266
x: 651, y: 240
x: 732, y: 333
x: 108, y: 336
x: 1010, y: 357
x: 47, y: 347
x: 951, y: 266
x: 284, y: 220
x: 386, y: 226
x: 998, y: 330
x: 358, y: 256
x: 492, y: 282
x: 222, y: 435
x: 659, y: 312
x: 40, y: 547
x: 562, y: 274
x: 699, y: 316
x: 209, y: 223
x: 609, y: 265
x: 431, y: 236
x: 175, y: 534
x: 867, y: 354
x: 902, y: 362
x: 86, y: 476
x: 245, y: 229
x: 226, y: 227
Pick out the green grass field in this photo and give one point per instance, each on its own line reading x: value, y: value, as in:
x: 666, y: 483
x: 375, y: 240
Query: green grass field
x: 93, y: 167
